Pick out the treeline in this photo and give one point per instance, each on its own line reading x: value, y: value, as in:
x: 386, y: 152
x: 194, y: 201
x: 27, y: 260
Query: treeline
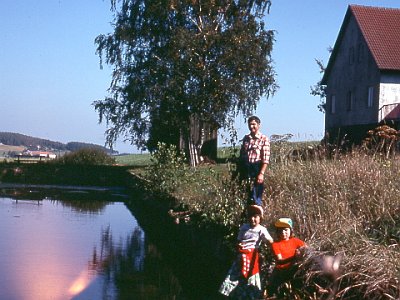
x: 73, y: 146
x: 17, y: 139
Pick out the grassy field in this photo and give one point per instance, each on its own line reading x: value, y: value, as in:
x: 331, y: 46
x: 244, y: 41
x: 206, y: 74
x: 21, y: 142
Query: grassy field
x: 138, y: 160
x: 6, y: 149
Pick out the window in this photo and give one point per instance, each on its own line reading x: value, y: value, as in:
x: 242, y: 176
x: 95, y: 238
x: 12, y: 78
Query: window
x: 333, y: 104
x: 370, y: 96
x: 349, y: 101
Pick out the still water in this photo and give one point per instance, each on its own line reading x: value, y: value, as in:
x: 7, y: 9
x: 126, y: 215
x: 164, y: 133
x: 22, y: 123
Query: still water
x: 82, y: 250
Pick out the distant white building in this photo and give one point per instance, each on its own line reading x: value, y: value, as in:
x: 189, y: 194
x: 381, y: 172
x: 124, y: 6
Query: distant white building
x: 38, y: 154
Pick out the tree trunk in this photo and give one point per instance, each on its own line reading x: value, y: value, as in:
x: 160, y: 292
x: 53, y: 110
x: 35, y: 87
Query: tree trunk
x: 199, y: 142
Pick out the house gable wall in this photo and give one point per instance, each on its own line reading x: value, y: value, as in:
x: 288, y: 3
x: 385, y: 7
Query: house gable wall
x: 354, y: 71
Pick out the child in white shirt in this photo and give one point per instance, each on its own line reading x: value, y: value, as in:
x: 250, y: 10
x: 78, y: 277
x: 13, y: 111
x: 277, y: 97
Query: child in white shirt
x: 243, y: 279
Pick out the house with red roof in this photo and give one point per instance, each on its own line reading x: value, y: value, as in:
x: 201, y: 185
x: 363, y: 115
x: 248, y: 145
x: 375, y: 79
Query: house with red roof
x: 37, y: 154
x: 362, y: 77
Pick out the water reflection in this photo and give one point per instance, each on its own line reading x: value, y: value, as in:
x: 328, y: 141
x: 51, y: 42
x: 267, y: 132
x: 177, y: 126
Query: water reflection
x: 74, y: 249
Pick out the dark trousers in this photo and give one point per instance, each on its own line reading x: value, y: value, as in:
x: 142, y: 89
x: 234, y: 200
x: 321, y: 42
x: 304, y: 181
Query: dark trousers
x: 256, y: 190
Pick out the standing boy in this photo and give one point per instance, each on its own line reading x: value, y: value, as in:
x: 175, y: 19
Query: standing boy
x: 254, y: 157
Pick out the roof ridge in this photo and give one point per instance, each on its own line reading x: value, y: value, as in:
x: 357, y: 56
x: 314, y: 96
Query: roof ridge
x: 374, y: 7
x: 380, y: 28
x: 386, y: 21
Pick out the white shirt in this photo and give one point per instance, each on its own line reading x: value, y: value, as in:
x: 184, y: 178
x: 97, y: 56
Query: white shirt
x: 252, y: 237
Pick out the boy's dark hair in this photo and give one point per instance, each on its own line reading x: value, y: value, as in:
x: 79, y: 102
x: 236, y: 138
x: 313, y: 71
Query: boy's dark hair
x: 254, y: 118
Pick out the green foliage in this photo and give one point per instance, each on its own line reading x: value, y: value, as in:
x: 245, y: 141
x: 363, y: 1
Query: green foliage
x: 223, y: 201
x: 74, y: 146
x: 177, y: 60
x: 319, y: 89
x: 210, y: 193
x: 168, y: 169
x: 86, y: 156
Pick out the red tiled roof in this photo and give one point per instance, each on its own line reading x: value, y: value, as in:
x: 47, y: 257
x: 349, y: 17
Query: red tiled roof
x: 381, y: 29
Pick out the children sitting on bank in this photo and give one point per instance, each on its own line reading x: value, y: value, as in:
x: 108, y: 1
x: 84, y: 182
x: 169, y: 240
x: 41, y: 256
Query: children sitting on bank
x: 243, y: 279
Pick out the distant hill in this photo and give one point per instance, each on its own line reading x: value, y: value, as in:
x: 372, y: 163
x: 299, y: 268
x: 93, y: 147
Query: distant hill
x: 17, y: 139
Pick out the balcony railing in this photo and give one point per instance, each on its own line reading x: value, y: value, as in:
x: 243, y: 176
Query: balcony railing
x: 389, y: 112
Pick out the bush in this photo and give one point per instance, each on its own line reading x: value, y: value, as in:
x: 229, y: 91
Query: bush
x: 167, y: 170
x: 86, y: 156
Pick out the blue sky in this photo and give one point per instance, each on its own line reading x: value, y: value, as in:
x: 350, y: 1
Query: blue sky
x: 50, y: 73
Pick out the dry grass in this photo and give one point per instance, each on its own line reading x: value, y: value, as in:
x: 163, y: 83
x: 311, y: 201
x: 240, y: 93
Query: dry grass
x: 351, y: 206
x: 348, y: 205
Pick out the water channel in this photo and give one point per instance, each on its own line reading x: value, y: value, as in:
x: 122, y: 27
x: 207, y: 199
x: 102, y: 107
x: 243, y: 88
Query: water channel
x: 81, y: 249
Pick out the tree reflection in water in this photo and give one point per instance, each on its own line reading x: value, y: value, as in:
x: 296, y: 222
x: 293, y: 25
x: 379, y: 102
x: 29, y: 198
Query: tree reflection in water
x: 136, y: 269
x: 130, y: 269
x: 87, y: 201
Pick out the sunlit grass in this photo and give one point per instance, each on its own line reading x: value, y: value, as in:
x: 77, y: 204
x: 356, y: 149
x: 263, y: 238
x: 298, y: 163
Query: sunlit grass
x: 133, y: 159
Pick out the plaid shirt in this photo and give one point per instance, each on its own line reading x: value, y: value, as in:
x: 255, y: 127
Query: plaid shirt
x: 256, y: 149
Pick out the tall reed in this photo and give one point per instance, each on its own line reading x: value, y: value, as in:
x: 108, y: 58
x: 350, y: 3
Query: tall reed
x: 348, y: 205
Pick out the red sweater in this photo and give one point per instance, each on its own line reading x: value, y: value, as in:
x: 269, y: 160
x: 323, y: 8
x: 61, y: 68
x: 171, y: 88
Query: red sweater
x: 286, y: 249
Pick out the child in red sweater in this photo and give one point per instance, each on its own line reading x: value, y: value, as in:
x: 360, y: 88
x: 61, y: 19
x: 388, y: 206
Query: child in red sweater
x: 285, y: 250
